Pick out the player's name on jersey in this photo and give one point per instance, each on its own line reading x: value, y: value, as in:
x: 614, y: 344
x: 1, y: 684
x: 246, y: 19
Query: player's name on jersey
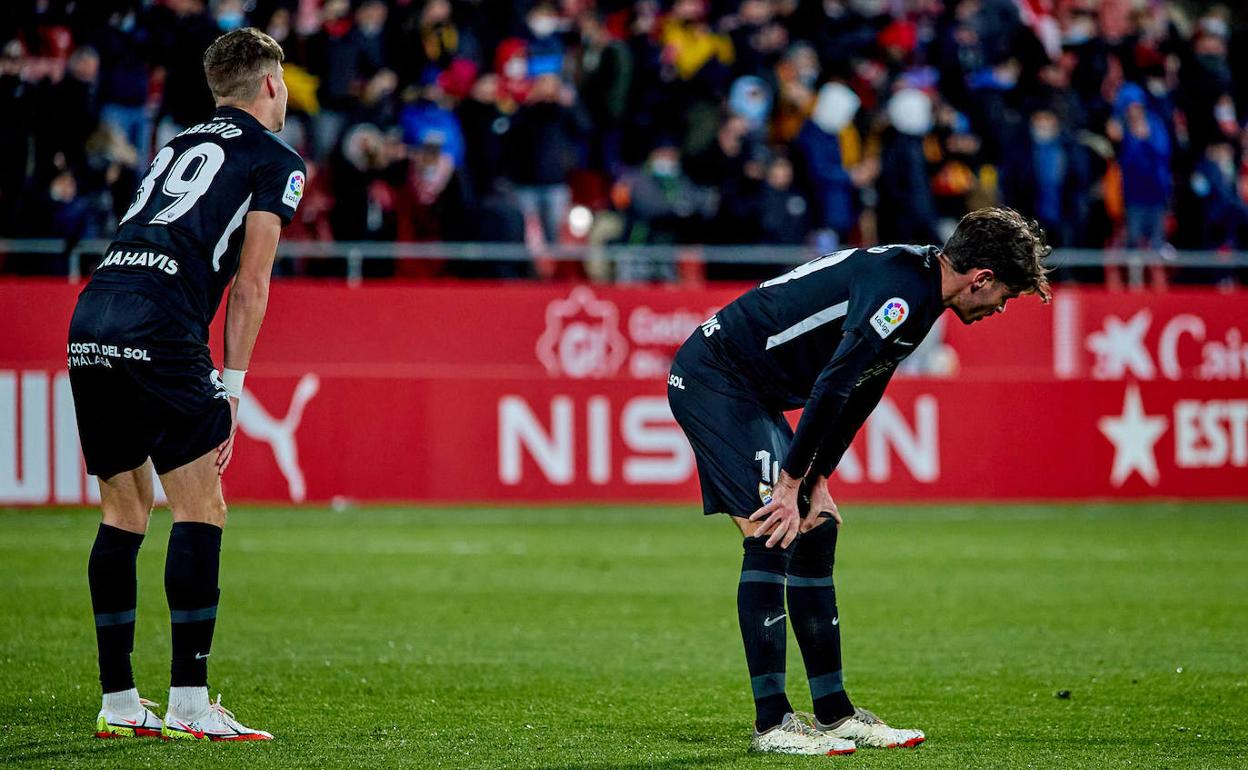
x: 221, y: 128
x: 151, y: 259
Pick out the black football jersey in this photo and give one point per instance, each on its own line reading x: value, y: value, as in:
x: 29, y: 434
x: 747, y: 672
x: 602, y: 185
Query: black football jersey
x: 809, y: 337
x: 179, y: 241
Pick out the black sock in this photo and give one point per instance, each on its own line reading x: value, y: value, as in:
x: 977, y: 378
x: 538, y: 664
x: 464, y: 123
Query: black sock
x: 114, y: 588
x: 760, y: 610
x: 812, y: 607
x: 191, y: 569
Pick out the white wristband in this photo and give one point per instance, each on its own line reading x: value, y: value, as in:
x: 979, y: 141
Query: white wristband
x: 232, y: 381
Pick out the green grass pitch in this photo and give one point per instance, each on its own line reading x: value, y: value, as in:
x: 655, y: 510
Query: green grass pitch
x: 606, y: 638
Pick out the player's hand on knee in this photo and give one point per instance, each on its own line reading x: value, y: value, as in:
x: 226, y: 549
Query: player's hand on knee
x: 821, y: 503
x: 780, y: 517
x: 226, y: 450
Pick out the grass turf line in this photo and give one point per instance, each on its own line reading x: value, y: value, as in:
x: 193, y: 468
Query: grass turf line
x: 606, y: 638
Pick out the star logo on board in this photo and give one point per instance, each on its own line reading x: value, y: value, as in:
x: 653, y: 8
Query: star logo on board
x: 1119, y: 348
x: 1134, y: 435
x: 582, y: 337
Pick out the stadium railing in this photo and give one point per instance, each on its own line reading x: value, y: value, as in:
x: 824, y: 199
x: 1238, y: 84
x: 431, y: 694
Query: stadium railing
x: 77, y: 255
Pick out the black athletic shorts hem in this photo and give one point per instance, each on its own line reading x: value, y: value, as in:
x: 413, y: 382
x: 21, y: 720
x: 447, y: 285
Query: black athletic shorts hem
x: 738, y: 441
x: 143, y: 386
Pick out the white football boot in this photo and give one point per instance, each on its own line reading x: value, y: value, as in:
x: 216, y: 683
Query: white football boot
x: 794, y: 736
x: 866, y: 729
x: 141, y: 724
x: 217, y: 723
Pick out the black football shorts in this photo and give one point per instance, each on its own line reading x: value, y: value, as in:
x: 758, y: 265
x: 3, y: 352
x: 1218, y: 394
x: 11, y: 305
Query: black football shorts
x: 143, y: 386
x: 738, y: 442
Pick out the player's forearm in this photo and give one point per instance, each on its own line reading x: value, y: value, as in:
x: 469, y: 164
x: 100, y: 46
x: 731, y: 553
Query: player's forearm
x: 827, y: 401
x: 862, y: 402
x: 812, y: 429
x: 243, y: 315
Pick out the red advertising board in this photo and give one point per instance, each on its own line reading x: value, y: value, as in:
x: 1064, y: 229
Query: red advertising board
x: 541, y: 392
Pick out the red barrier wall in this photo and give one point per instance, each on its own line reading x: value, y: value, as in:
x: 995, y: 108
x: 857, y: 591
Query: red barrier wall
x: 523, y: 392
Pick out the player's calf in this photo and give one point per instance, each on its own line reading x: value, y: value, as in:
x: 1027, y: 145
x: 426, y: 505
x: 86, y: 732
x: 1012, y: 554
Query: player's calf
x: 760, y: 611
x: 816, y: 622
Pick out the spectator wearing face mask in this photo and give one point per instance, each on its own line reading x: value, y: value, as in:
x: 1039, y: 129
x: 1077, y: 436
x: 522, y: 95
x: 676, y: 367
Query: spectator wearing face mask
x: 430, y: 120
x: 906, y: 212
x: 69, y: 111
x: 544, y: 146
x: 650, y: 108
x: 1143, y: 148
x: 484, y: 127
x: 664, y: 206
x: 544, y: 43
x: 604, y: 75
x: 1047, y: 177
x: 124, y: 80
x: 1207, y: 83
x: 750, y: 99
x: 828, y: 152
x: 796, y: 76
x: 347, y: 52
x: 427, y: 40
x: 181, y: 32
x: 694, y: 48
x: 733, y: 165
x: 663, y: 201
x: 1224, y: 214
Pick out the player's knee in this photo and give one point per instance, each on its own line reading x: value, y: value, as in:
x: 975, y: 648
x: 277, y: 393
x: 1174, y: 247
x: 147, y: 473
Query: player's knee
x: 131, y: 514
x: 211, y: 510
x: 815, y: 552
x: 218, y: 511
x: 131, y: 520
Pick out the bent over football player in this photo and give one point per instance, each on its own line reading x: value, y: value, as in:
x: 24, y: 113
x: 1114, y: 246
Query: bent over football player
x: 825, y: 337
x: 147, y: 396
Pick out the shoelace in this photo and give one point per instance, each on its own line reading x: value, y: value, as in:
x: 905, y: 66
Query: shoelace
x: 803, y: 724
x: 226, y: 714
x: 870, y: 718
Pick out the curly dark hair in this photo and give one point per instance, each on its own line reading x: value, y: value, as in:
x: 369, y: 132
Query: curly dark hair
x: 236, y: 62
x: 1007, y: 243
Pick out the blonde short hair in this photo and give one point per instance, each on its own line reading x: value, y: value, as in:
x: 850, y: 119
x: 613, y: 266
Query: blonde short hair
x: 235, y: 63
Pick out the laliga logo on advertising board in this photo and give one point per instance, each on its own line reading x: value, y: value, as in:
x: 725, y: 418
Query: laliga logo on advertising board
x: 582, y: 337
x: 1120, y: 349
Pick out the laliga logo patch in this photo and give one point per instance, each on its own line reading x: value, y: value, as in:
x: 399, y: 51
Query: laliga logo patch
x: 764, y: 492
x: 294, y: 189
x: 890, y: 315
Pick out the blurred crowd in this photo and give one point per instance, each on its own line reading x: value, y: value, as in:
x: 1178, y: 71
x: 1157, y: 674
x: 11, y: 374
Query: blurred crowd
x: 1113, y: 122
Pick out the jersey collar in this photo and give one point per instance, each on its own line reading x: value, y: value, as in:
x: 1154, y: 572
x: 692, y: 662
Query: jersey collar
x: 237, y: 115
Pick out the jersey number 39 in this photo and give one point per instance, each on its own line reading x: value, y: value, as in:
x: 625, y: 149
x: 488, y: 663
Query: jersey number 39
x: 186, y: 182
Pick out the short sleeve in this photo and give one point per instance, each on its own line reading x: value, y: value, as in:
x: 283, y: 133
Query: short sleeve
x: 278, y: 182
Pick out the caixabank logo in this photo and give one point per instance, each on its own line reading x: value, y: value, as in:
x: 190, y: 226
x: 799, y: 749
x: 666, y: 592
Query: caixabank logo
x: 582, y: 338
